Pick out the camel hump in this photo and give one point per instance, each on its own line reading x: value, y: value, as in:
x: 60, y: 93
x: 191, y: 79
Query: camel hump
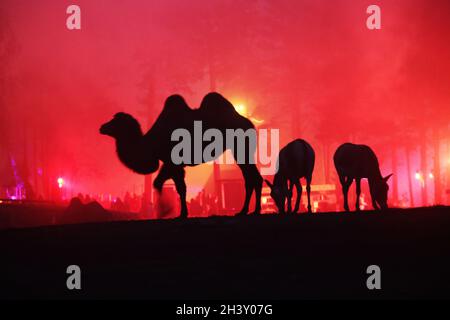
x: 175, y: 104
x: 215, y: 103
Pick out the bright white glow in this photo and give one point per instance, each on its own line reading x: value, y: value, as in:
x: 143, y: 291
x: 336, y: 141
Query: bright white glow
x: 60, y: 182
x: 418, y: 176
x: 241, y: 109
x: 431, y: 175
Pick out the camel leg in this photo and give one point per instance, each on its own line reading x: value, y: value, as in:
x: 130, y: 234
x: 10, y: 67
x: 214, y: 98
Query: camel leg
x: 164, y: 174
x: 308, y: 191
x: 253, y: 181
x: 358, y: 192
x: 178, y: 175
x: 298, y: 186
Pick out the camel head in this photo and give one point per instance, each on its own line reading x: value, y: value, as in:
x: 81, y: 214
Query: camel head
x: 131, y: 148
x: 122, y: 126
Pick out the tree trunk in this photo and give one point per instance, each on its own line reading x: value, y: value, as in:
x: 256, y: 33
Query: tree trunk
x: 395, y: 176
x: 447, y: 176
x: 216, y: 166
x: 424, y: 168
x: 437, y: 167
x: 409, y: 175
x: 327, y: 162
x: 147, y: 205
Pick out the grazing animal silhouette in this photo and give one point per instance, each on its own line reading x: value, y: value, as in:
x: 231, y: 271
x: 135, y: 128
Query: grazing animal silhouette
x: 354, y: 161
x: 295, y: 161
x: 142, y: 152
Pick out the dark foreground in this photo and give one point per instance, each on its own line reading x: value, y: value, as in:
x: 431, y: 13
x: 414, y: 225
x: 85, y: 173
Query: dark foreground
x: 265, y: 257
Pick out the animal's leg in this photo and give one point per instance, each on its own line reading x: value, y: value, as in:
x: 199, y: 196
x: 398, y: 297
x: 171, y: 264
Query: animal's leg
x: 248, y: 189
x: 358, y: 192
x: 299, y: 188
x: 257, y: 185
x: 289, y: 196
x: 346, y: 182
x: 342, y: 181
x: 308, y: 191
x: 163, y: 175
x: 374, y: 203
x: 178, y: 177
x: 253, y: 181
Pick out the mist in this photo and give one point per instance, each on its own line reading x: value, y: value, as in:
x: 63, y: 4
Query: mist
x: 309, y: 68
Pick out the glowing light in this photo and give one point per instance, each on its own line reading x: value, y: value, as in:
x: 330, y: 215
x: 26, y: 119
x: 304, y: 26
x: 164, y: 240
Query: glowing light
x: 241, y: 109
x: 264, y: 200
x: 315, y: 206
x: 60, y: 182
x: 420, y: 178
x: 431, y: 175
x: 257, y: 121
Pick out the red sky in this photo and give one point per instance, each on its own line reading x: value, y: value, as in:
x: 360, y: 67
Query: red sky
x: 310, y: 68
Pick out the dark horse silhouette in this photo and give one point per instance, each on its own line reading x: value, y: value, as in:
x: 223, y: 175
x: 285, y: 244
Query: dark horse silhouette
x: 296, y: 160
x: 354, y: 162
x: 142, y: 152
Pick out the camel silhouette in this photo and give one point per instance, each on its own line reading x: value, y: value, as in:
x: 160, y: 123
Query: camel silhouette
x: 142, y: 152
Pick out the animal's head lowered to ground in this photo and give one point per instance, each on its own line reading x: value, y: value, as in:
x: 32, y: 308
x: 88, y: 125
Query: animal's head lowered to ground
x: 278, y: 195
x: 122, y: 126
x: 380, y: 192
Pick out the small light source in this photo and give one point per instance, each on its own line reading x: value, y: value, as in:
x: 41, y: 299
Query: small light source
x: 315, y: 206
x: 418, y: 176
x: 431, y: 175
x: 264, y: 200
x: 60, y: 182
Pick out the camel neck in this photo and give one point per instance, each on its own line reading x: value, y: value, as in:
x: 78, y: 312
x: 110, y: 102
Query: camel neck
x: 136, y: 155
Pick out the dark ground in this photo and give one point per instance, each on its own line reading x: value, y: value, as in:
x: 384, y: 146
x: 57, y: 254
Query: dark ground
x: 264, y: 257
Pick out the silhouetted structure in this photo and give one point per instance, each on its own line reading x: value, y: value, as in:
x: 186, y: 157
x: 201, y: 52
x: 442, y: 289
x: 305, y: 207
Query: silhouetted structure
x: 354, y: 162
x: 142, y: 153
x: 295, y: 161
